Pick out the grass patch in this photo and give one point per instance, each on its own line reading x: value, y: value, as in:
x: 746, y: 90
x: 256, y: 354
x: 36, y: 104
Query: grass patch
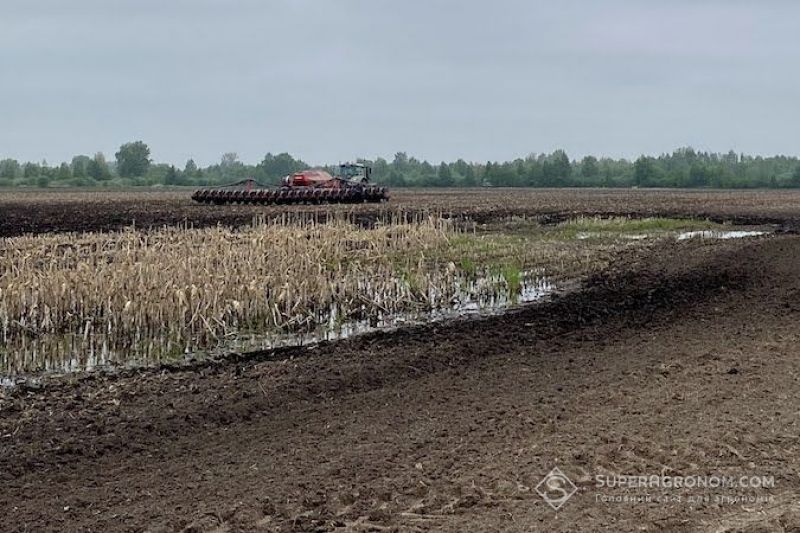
x: 513, y: 275
x: 613, y: 226
x: 468, y: 266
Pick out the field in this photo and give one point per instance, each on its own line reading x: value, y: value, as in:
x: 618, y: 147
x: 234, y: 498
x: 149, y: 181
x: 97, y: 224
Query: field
x: 38, y: 212
x: 503, y: 333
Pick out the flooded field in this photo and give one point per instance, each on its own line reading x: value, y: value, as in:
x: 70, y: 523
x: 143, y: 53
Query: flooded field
x: 466, y: 296
x: 76, y: 302
x: 89, y: 301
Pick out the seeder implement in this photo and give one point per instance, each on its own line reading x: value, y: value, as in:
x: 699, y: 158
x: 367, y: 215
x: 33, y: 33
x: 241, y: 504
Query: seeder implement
x: 306, y: 187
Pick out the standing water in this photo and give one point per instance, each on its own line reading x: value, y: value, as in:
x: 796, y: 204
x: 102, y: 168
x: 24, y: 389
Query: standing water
x: 484, y: 294
x: 713, y: 234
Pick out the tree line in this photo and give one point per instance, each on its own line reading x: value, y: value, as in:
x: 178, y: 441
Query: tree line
x: 684, y: 167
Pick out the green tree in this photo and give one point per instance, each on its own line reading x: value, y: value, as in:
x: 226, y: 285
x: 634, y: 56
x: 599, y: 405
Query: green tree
x: 469, y: 176
x: 171, y: 177
x: 380, y: 170
x: 489, y: 175
x: 80, y: 166
x: 31, y: 170
x: 400, y: 162
x: 133, y: 159
x: 698, y: 175
x: 561, y: 164
x: 556, y: 169
x: 795, y: 181
x: 64, y: 172
x: 190, y: 169
x: 97, y: 168
x: 519, y: 173
x: 229, y: 159
x: 643, y: 171
x: 460, y: 167
x: 9, y: 168
x: 444, y: 176
x: 589, y: 167
x: 273, y: 167
x: 396, y: 179
x: 230, y: 167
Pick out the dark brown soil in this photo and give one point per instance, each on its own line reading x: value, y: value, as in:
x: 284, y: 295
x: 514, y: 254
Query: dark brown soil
x: 681, y: 363
x: 40, y: 212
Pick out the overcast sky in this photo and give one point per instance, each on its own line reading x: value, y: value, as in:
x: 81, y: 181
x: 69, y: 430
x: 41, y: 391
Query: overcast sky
x: 333, y: 80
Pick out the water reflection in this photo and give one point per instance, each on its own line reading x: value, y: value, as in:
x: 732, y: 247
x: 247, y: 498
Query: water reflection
x: 713, y: 234
x: 464, y: 295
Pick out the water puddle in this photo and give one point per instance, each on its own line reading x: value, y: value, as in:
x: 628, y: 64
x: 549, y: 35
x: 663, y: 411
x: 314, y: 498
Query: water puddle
x: 583, y: 235
x: 468, y: 296
x: 716, y: 234
x: 682, y: 236
x: 473, y: 300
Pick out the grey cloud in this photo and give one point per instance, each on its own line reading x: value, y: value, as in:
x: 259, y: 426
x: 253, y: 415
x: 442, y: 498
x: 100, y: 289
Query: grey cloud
x: 440, y: 79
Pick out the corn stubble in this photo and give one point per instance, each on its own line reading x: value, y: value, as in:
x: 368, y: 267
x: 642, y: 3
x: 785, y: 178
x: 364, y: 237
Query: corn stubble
x: 186, y: 288
x: 80, y: 300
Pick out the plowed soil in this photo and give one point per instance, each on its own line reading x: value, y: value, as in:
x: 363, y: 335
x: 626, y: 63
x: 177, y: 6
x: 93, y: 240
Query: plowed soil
x: 57, y: 211
x: 681, y: 362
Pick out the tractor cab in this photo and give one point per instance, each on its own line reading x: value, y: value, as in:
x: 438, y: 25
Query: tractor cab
x: 355, y: 172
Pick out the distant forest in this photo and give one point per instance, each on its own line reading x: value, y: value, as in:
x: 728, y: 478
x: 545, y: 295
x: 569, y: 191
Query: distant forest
x: 685, y: 167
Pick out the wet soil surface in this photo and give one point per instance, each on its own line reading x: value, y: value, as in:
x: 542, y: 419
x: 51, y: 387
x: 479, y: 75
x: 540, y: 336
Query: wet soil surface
x: 58, y: 211
x: 681, y: 363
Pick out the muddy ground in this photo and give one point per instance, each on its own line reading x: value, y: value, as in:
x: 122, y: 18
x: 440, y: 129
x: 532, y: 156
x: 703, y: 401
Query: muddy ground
x: 680, y: 363
x: 49, y: 211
